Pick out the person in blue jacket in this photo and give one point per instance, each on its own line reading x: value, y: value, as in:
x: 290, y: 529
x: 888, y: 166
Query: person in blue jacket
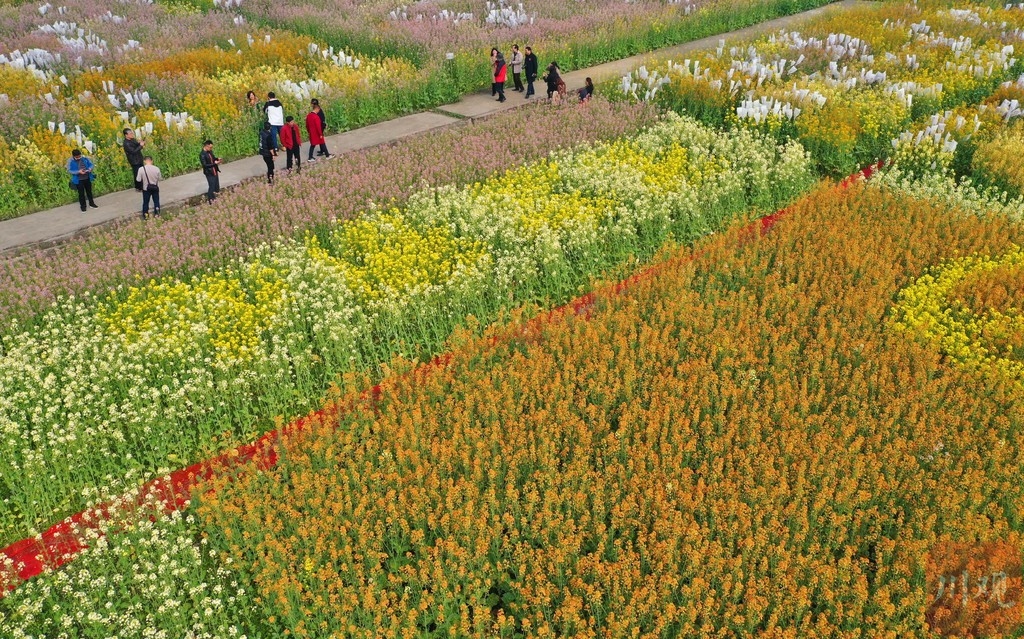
x: 82, y: 175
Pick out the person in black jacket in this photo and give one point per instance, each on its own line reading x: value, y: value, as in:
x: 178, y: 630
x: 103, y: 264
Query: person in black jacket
x: 211, y: 169
x: 268, y: 150
x: 530, y: 67
x: 586, y: 91
x: 133, y: 152
x: 553, y: 78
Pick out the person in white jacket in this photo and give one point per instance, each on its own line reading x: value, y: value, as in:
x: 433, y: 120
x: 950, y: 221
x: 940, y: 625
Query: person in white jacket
x: 275, y: 116
x: 517, y: 67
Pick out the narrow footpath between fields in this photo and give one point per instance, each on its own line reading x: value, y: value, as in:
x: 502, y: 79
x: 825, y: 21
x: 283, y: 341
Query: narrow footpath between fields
x: 55, y: 225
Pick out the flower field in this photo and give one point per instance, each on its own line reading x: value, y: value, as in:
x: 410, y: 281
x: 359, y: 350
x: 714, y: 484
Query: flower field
x: 177, y: 71
x: 752, y: 442
x: 208, y: 362
x: 853, y: 85
x: 783, y: 426
x: 747, y: 444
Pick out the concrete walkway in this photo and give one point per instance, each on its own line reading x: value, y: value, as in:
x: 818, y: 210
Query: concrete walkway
x: 52, y: 226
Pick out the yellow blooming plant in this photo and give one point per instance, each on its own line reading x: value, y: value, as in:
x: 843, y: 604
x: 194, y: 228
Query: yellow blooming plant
x: 383, y: 257
x: 997, y: 160
x: 974, y: 308
x: 216, y: 311
x: 19, y: 83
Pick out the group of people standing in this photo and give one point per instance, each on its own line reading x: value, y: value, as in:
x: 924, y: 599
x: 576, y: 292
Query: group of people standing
x: 280, y: 130
x: 146, y: 176
x: 528, y: 63
x: 277, y: 131
x: 519, y: 63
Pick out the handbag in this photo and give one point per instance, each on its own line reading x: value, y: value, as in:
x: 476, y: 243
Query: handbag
x: 150, y: 187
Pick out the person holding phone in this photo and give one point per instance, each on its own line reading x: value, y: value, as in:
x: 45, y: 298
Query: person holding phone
x: 82, y: 175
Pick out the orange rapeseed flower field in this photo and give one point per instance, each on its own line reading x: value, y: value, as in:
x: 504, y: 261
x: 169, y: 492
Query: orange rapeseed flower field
x: 745, y: 445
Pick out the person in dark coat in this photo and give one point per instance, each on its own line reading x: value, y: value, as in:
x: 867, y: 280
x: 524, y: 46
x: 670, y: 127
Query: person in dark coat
x: 530, y: 66
x: 587, y: 91
x: 81, y: 170
x: 211, y: 169
x: 133, y: 152
x: 553, y: 78
x: 268, y: 149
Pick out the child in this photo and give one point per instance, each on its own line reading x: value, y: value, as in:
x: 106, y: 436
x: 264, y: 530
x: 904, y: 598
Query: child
x: 291, y: 139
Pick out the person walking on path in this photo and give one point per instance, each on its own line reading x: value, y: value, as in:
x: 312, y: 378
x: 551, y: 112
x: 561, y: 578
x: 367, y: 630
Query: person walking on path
x: 211, y: 169
x: 323, y: 124
x: 267, y: 150
x: 133, y: 152
x: 291, y: 140
x: 500, y: 73
x: 150, y: 177
x: 275, y: 115
x: 554, y: 80
x: 530, y: 67
x: 315, y: 130
x: 517, y: 67
x: 81, y: 170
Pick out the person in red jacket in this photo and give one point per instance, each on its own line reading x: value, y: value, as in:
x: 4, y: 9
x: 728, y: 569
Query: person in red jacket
x: 291, y: 140
x: 315, y: 129
x: 500, y: 73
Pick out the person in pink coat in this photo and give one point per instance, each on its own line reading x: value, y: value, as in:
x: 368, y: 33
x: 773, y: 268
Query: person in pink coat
x: 315, y: 129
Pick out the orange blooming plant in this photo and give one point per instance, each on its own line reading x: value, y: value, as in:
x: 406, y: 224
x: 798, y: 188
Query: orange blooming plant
x: 743, y: 445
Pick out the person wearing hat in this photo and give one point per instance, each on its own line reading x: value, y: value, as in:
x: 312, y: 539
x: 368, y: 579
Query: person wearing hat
x: 133, y: 152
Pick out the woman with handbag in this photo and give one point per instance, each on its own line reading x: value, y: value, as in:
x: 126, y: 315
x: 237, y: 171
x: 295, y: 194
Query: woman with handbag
x: 81, y: 170
x: 150, y: 177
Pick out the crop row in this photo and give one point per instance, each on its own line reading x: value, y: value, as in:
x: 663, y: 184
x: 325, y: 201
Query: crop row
x: 848, y: 85
x: 105, y: 390
x: 746, y: 444
x: 74, y: 75
x: 750, y: 442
